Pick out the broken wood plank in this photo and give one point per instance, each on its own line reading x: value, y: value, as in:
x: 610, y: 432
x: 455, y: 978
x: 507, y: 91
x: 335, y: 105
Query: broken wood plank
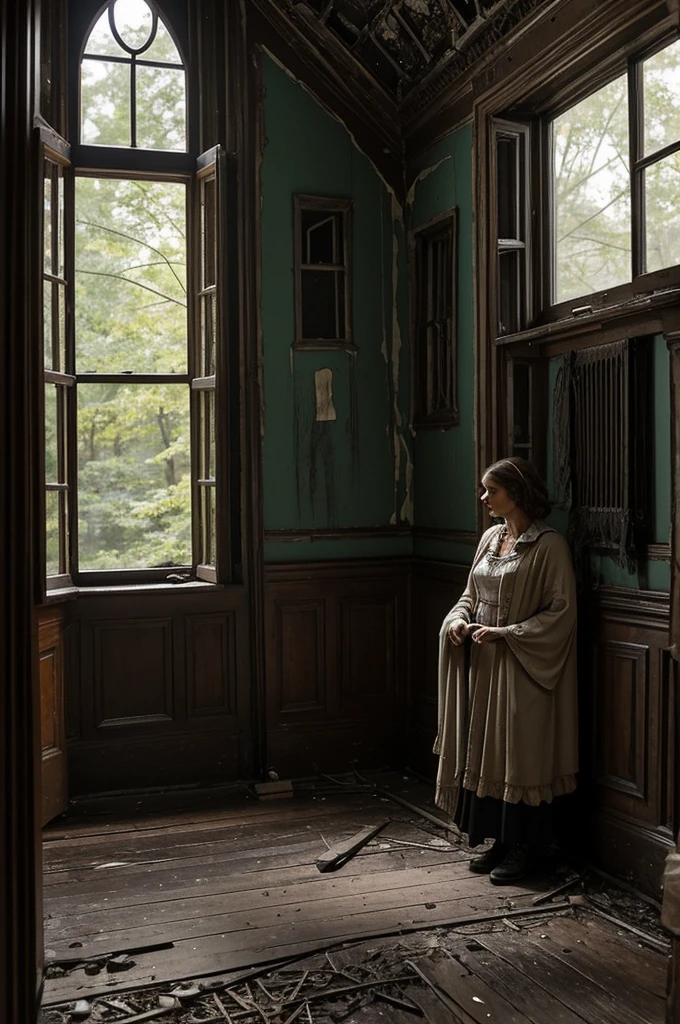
x: 341, y: 852
x: 193, y: 958
x: 651, y: 940
x: 586, y: 998
x: 517, y: 989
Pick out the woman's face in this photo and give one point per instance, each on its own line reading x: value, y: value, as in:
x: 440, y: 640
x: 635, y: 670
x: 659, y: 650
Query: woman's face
x: 496, y: 498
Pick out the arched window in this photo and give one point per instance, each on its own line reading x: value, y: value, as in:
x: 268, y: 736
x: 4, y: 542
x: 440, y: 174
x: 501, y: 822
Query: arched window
x: 132, y: 315
x: 132, y: 81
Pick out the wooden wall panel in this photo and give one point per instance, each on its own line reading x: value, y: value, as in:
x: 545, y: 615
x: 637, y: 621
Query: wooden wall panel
x: 300, y: 658
x: 163, y: 689
x: 435, y: 588
x: 211, y: 664
x: 367, y: 650
x: 51, y: 662
x: 336, y: 656
x: 133, y: 671
x: 621, y: 725
x: 628, y: 772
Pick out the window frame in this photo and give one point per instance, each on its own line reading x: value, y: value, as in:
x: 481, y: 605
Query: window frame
x: 53, y: 149
x: 303, y: 202
x: 641, y: 283
x: 92, y: 160
x: 424, y: 416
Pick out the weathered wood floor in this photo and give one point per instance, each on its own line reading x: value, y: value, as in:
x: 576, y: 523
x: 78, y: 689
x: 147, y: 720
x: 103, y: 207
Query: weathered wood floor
x: 226, y: 882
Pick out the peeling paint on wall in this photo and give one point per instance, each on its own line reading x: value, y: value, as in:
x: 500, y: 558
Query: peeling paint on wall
x: 399, y: 423
x: 425, y: 173
x: 330, y: 112
x: 323, y: 387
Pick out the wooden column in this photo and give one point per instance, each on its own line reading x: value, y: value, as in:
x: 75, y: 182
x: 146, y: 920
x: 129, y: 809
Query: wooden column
x: 19, y: 836
x: 671, y: 909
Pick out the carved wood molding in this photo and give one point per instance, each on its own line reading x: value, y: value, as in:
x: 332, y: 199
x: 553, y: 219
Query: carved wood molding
x: 335, y: 533
x: 673, y: 342
x: 469, y: 537
x: 648, y: 608
x: 315, y: 57
x: 438, y: 86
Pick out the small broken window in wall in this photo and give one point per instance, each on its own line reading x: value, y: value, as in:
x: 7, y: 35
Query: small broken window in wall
x: 435, y: 348
x: 601, y: 416
x: 323, y: 245
x: 511, y: 156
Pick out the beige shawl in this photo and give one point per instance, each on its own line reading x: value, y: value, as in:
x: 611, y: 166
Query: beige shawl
x: 508, y: 728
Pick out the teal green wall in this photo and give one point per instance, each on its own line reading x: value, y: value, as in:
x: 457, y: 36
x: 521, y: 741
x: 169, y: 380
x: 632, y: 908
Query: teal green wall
x: 357, y: 470
x: 445, y: 486
x: 654, y: 575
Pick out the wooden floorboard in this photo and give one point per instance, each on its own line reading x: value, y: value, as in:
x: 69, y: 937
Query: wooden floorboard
x: 229, y: 883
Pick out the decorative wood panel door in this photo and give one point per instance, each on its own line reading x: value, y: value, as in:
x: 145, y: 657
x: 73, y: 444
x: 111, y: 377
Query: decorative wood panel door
x: 52, y: 718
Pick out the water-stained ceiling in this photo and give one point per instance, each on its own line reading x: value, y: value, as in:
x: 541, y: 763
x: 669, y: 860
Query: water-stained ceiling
x: 401, y: 41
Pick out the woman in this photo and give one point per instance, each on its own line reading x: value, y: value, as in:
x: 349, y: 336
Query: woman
x: 508, y: 715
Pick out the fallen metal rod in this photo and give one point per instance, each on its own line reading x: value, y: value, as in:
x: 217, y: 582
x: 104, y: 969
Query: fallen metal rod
x: 544, y: 896
x: 663, y: 947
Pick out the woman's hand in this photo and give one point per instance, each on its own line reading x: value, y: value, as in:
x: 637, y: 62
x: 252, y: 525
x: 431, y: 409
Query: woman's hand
x: 457, y: 632
x: 485, y: 634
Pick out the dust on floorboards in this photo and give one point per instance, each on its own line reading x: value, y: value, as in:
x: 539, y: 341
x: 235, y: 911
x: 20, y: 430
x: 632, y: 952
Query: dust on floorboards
x: 197, y: 885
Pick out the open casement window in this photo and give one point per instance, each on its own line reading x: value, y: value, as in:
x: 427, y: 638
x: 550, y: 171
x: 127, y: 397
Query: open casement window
x: 435, y: 351
x: 512, y: 218
x: 615, y: 166
x: 132, y: 451
x: 58, y: 367
x: 323, y: 272
x: 210, y: 190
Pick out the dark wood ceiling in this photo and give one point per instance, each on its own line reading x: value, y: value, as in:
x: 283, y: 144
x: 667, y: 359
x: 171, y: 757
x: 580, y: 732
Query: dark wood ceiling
x: 399, y: 42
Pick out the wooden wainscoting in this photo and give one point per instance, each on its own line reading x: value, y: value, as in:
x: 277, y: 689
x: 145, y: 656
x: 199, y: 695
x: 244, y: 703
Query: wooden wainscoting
x: 435, y: 588
x: 336, y: 664
x: 51, y: 625
x: 162, y: 693
x: 631, y: 761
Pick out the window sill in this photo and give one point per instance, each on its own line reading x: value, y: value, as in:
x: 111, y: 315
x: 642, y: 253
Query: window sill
x: 593, y: 322
x: 70, y: 593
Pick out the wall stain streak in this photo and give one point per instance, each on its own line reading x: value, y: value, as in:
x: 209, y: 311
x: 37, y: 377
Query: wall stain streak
x: 322, y: 456
x: 398, y: 422
x: 425, y: 173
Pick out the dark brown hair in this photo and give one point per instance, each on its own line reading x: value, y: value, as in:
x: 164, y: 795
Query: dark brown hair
x: 523, y: 483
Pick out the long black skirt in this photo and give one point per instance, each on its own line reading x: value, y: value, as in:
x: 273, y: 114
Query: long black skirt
x: 483, y: 818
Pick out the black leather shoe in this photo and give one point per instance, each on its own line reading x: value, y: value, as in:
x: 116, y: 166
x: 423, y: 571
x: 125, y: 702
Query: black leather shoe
x: 486, y: 862
x: 518, y: 863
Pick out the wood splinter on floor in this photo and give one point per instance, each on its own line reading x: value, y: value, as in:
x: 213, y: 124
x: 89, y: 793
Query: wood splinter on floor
x: 339, y: 854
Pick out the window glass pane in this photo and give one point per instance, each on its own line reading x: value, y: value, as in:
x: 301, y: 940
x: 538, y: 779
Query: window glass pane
x: 662, y: 186
x: 161, y: 108
x: 592, y: 194
x: 510, y: 291
x: 134, y: 497
x: 61, y: 351
x: 322, y: 304
x: 51, y: 435
x: 208, y: 333
x: 507, y: 150
x: 133, y: 22
x: 208, y: 240
x: 101, y: 39
x: 163, y: 48
x: 47, y: 324
x: 60, y: 219
x: 661, y: 80
x: 207, y: 435
x: 130, y: 276
x: 47, y: 216
x: 208, y: 499
x: 105, y: 103
x: 52, y: 523
x: 321, y: 237
x: 521, y: 404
